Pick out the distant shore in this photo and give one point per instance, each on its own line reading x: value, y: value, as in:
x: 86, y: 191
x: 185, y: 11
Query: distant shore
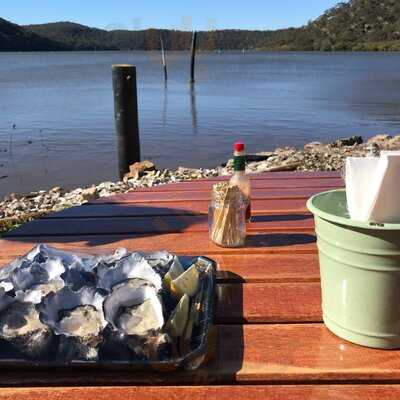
x: 352, y: 25
x: 315, y: 156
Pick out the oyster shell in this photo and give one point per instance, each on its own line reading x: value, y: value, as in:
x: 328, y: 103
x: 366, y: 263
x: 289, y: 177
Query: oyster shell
x: 80, y: 272
x: 76, y: 278
x: 138, y: 320
x: 134, y: 308
x: 160, y: 261
x: 37, y: 292
x: 43, y: 252
x: 6, y: 285
x: 7, y: 269
x: 24, y: 272
x: 20, y: 325
x: 132, y: 266
x: 54, y: 304
x: 83, y: 325
x: 5, y: 274
x: 151, y: 348
x: 80, y: 269
x: 77, y: 317
x: 135, y: 314
x: 35, y: 273
x: 110, y: 258
x: 5, y: 299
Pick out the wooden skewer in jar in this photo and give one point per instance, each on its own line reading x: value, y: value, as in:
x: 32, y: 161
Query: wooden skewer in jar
x: 227, y: 215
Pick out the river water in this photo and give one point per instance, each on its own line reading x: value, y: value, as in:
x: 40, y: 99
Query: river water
x: 56, y: 109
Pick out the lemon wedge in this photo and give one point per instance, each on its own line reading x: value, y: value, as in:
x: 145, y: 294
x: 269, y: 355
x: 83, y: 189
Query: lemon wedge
x: 175, y: 270
x: 186, y: 283
x: 179, y: 317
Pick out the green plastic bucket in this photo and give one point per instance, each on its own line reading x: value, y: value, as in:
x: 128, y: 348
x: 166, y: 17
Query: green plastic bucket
x: 360, y: 273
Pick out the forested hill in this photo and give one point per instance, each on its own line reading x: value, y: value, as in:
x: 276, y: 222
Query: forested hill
x: 353, y: 25
x: 15, y: 38
x: 81, y: 37
x: 357, y: 25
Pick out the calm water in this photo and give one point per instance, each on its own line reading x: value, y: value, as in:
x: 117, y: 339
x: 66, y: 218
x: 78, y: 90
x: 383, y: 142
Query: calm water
x: 56, y: 109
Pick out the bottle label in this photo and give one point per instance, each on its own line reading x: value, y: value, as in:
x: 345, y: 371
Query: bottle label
x: 239, y: 163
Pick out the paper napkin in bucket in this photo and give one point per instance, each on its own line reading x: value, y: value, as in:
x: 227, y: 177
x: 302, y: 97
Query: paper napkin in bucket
x: 372, y: 188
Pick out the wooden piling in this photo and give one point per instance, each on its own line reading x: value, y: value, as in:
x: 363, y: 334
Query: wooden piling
x: 163, y: 60
x: 193, y: 56
x: 126, y: 116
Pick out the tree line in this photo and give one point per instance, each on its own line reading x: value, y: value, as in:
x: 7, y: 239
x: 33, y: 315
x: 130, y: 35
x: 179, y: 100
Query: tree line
x: 352, y: 25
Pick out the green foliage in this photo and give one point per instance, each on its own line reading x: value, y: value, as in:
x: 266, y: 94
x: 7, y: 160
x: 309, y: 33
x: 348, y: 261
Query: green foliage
x: 8, y: 224
x: 358, y: 25
x: 353, y: 25
x: 74, y: 36
x: 15, y: 38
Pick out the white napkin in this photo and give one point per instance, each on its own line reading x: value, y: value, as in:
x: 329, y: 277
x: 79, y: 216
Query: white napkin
x: 372, y: 188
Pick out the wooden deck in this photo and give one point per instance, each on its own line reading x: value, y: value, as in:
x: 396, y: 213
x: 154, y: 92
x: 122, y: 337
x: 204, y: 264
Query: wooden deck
x: 271, y: 340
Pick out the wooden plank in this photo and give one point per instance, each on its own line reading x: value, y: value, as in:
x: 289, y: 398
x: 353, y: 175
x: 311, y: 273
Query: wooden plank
x: 252, y: 268
x: 268, y: 303
x: 95, y: 210
x: 293, y: 183
x: 195, y: 243
x: 287, y: 175
x: 301, y: 353
x: 248, y: 354
x: 256, y: 184
x: 154, y: 224
x: 236, y: 392
x: 270, y: 268
x: 155, y: 197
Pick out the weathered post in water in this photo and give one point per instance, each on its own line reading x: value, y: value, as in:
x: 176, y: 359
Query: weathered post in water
x: 164, y: 62
x: 193, y: 56
x: 126, y: 116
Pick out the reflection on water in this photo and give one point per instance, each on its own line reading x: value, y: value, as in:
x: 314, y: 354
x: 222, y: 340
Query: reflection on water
x: 193, y: 109
x: 56, y: 117
x: 165, y: 105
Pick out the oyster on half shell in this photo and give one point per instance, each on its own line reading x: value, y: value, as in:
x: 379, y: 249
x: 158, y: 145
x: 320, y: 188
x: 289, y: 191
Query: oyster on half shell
x: 140, y: 319
x: 81, y: 271
x: 36, y: 293
x: 135, y: 315
x: 134, y: 308
x: 129, y: 267
x: 160, y: 261
x: 32, y: 273
x: 20, y: 325
x: 5, y: 299
x: 77, y: 318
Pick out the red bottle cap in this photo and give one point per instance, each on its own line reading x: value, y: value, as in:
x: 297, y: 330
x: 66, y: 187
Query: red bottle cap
x: 239, y: 146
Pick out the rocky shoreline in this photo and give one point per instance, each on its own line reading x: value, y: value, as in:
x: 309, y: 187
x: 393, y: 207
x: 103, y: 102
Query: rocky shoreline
x: 315, y: 156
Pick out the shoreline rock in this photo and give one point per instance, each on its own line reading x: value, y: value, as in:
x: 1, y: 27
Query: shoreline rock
x: 314, y: 156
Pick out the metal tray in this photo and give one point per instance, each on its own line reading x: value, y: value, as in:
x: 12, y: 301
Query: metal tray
x: 201, y: 350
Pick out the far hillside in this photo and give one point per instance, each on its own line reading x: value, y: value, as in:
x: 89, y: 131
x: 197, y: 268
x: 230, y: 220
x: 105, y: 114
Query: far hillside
x: 15, y: 38
x: 352, y: 25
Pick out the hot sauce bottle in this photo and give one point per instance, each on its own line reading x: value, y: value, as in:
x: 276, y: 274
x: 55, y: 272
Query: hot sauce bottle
x: 239, y: 177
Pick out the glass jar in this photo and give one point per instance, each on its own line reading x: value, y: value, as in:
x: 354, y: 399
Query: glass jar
x: 227, y: 219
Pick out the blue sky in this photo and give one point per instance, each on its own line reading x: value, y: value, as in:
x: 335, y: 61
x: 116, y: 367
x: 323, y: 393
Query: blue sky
x: 186, y: 14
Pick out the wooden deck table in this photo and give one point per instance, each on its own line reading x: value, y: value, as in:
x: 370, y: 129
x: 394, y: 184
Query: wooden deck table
x: 272, y: 343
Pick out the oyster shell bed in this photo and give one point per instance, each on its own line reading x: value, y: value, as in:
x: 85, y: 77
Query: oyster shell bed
x: 58, y: 306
